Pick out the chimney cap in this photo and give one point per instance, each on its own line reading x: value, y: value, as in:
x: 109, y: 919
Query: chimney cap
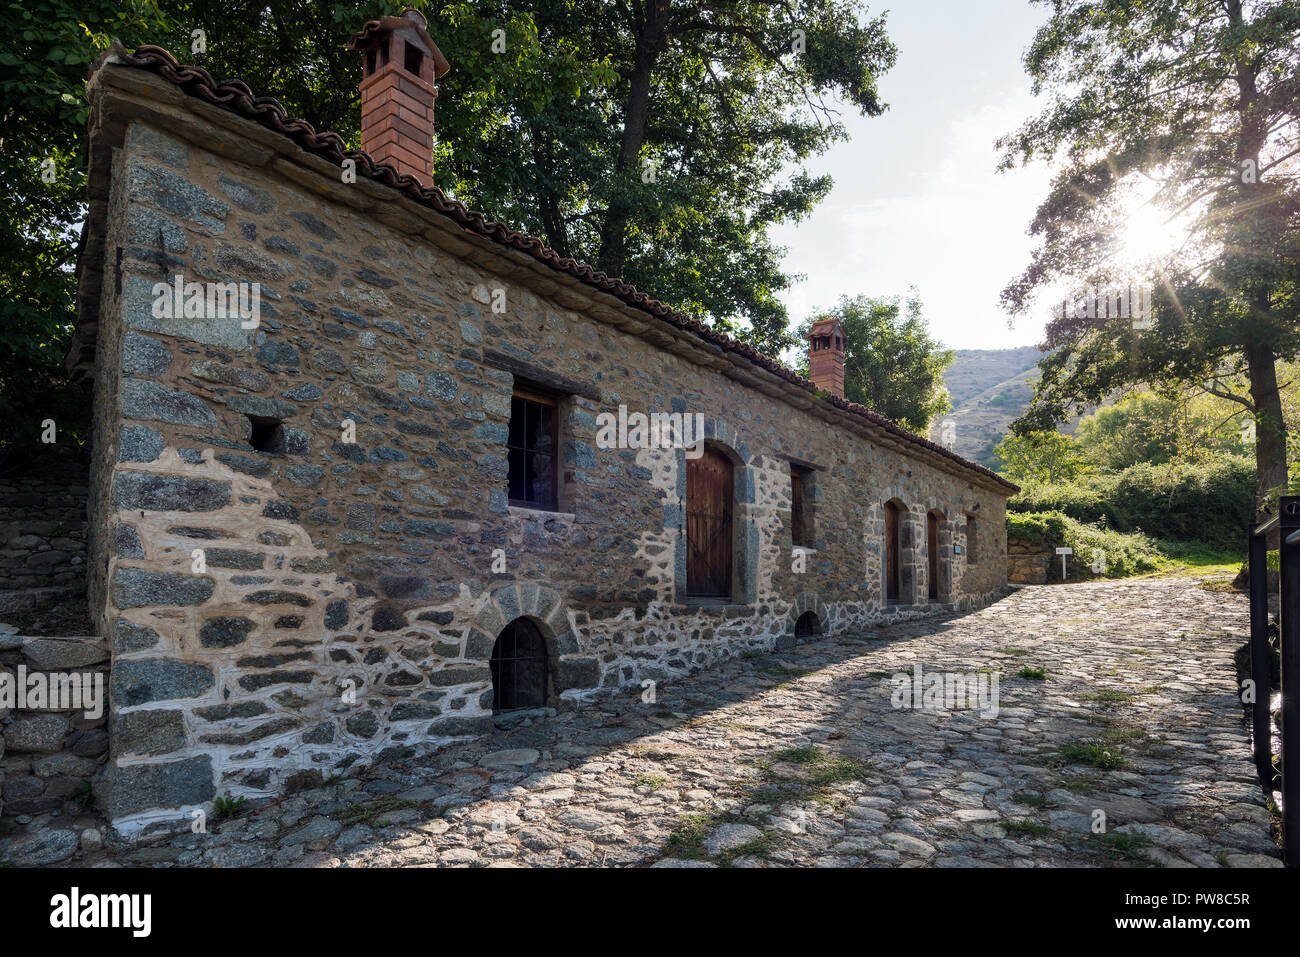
x: 823, y: 327
x: 374, y: 31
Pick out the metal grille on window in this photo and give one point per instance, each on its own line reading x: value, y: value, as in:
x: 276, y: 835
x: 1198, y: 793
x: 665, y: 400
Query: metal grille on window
x: 520, y: 669
x: 531, y: 448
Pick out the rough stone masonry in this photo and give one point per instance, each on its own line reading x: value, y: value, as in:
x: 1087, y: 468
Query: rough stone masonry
x: 302, y: 547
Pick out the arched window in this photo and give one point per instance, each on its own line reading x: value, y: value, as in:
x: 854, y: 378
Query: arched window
x: 808, y: 625
x: 520, y: 668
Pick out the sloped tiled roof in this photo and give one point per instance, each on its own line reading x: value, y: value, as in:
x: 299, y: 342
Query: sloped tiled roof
x: 235, y: 95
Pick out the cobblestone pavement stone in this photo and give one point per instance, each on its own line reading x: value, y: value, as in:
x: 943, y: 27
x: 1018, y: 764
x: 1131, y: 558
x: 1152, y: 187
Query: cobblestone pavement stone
x: 799, y: 758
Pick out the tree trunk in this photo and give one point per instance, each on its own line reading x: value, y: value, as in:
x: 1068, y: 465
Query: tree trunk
x: 1261, y: 364
x: 636, y: 116
x: 1270, y: 430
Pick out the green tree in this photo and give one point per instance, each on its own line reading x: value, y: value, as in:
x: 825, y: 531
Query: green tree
x: 891, y: 364
x: 658, y: 141
x: 1041, y: 457
x: 1199, y: 98
x: 1146, y: 427
x: 45, y: 52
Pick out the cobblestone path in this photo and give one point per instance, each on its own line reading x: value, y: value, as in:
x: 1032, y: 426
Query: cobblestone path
x: 800, y: 759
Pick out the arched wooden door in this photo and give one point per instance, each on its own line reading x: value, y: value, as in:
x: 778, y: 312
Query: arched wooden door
x: 710, y: 489
x: 932, y: 550
x: 893, y: 551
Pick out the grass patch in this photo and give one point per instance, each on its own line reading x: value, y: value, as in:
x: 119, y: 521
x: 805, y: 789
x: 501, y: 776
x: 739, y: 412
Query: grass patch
x: 1079, y: 783
x: 1018, y: 652
x: 652, y: 781
x: 1096, y: 753
x: 799, y: 756
x: 1035, y: 673
x: 758, y: 847
x: 1030, y: 799
x: 1107, y: 696
x: 1026, y: 826
x: 821, y: 773
x: 1123, y: 734
x: 1127, y: 847
x: 367, y: 812
x: 837, y: 771
x: 652, y: 755
x: 1217, y: 585
x: 737, y: 726
x: 768, y: 794
x: 687, y: 839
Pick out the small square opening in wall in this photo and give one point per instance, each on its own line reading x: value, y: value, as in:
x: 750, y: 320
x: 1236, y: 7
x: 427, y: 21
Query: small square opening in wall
x: 266, y: 435
x: 413, y: 60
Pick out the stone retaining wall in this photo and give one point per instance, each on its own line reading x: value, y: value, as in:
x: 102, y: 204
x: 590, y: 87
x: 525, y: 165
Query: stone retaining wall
x: 43, y: 520
x: 1028, y: 562
x: 49, y: 756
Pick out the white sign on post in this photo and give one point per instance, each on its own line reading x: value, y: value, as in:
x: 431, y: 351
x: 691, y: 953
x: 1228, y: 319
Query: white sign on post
x: 1063, y: 552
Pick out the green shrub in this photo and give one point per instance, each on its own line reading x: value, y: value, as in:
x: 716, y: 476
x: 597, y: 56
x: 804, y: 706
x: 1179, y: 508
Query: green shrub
x: 1036, y: 528
x: 1211, y: 503
x: 1125, y: 553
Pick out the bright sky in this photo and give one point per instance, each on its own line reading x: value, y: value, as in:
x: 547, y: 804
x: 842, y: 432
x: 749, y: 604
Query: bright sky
x: 917, y: 198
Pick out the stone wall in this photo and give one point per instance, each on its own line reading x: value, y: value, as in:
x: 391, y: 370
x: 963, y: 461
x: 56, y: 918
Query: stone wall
x: 43, y: 520
x: 49, y: 756
x: 1028, y: 562
x: 279, y: 613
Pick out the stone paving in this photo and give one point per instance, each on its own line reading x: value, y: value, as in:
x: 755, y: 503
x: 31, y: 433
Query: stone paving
x: 801, y: 759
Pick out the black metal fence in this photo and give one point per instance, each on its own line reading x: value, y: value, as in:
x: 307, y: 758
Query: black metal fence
x: 1286, y: 527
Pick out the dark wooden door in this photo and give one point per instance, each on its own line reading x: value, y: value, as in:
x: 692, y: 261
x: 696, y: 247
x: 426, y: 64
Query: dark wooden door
x: 892, y: 552
x: 709, y: 493
x: 932, y: 549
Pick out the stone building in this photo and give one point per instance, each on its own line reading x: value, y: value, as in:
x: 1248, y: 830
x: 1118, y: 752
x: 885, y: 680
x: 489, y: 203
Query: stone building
x: 438, y: 472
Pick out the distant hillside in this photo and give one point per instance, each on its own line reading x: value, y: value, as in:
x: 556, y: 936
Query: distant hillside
x: 989, y: 388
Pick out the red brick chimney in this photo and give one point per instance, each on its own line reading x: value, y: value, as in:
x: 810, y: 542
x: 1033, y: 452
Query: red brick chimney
x: 826, y: 355
x: 399, y: 85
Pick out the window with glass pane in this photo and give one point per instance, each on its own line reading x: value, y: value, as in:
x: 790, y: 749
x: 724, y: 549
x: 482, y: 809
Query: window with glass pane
x: 532, y: 448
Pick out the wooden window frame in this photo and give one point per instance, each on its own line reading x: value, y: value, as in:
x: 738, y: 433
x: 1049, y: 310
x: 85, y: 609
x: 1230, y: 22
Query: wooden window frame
x: 552, y: 402
x: 802, y: 529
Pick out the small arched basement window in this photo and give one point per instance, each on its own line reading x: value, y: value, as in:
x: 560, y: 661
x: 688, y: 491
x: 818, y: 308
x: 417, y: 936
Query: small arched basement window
x: 520, y: 668
x: 808, y: 625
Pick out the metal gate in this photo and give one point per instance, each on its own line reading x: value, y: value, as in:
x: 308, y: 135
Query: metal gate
x: 1286, y: 526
